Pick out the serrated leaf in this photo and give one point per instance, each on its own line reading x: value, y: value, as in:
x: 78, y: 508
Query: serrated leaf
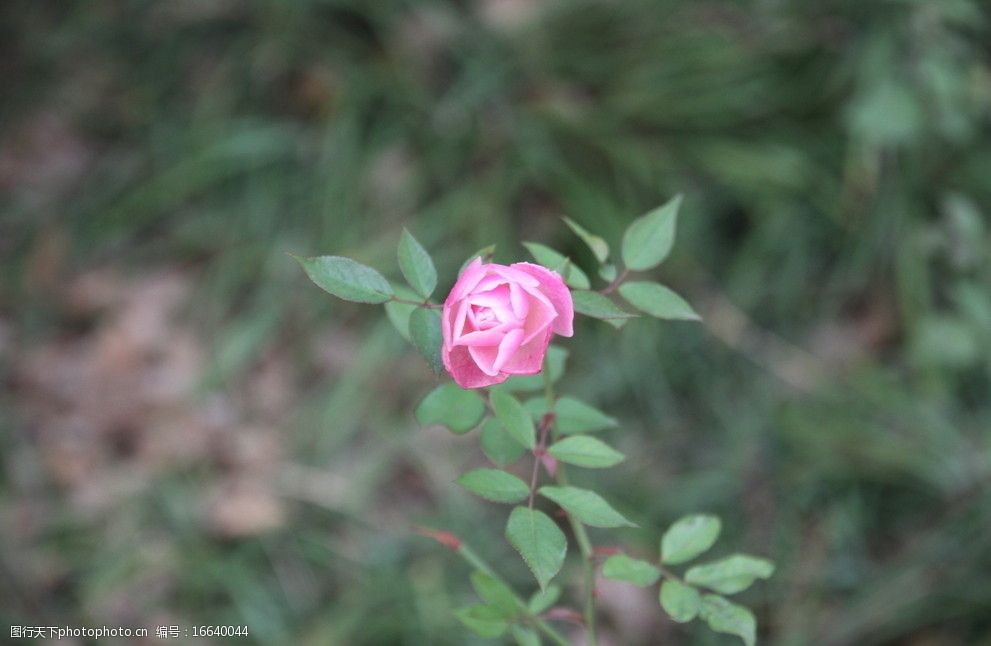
x: 554, y: 361
x: 482, y: 620
x: 658, y: 301
x: 584, y: 451
x: 524, y: 636
x: 416, y: 265
x: 544, y: 599
x: 731, y: 574
x: 544, y: 255
x: 399, y: 313
x: 347, y: 279
x: 539, y: 541
x: 587, y: 506
x: 495, y: 485
x: 681, y: 602
x: 496, y: 594
x: 648, y: 239
x: 425, y: 333
x: 451, y: 406
x: 598, y: 306
x: 599, y: 247
x: 514, y: 418
x: 497, y: 445
x: 620, y: 567
x: 723, y: 616
x: 688, y: 537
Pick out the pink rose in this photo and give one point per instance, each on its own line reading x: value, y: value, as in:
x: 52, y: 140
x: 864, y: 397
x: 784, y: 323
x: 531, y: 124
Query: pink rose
x: 499, y: 320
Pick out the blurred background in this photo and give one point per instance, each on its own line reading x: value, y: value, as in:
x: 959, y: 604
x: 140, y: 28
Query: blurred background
x: 193, y: 434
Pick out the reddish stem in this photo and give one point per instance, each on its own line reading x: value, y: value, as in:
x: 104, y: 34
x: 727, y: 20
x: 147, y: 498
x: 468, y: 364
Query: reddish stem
x: 611, y: 287
x: 538, y: 451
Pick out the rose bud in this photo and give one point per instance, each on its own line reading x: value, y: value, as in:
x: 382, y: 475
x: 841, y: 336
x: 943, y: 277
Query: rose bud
x: 498, y: 321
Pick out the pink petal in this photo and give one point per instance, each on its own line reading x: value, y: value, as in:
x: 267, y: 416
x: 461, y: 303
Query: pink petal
x: 489, y: 282
x: 485, y: 358
x: 529, y: 357
x: 473, y: 266
x: 462, y: 368
x: 553, y: 287
x: 513, y: 274
x: 542, y: 314
x: 467, y: 281
x: 507, y: 349
x: 459, y: 320
x: 492, y: 336
x: 498, y: 300
x: 519, y: 301
x: 447, y: 322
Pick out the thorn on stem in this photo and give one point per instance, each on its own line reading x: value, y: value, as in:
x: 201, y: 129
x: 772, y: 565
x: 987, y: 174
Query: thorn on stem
x: 447, y: 539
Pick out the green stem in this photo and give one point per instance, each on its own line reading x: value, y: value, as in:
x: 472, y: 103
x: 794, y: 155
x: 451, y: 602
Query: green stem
x: 668, y: 574
x: 588, y: 565
x: 476, y: 562
x: 581, y: 536
x: 611, y: 287
x: 428, y: 305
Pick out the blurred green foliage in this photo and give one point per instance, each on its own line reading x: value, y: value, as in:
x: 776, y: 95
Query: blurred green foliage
x: 833, y: 409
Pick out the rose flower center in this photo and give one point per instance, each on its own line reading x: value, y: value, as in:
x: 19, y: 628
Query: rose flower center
x: 484, y: 317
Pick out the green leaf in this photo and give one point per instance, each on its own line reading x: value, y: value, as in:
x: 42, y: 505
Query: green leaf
x: 537, y: 407
x: 608, y: 273
x: 599, y: 247
x: 724, y: 616
x: 584, y: 451
x: 560, y: 263
x: 451, y: 406
x: 572, y: 415
x: 424, y: 331
x: 347, y: 279
x: 688, y: 537
x: 648, y: 239
x: 575, y: 416
x: 681, y: 602
x: 496, y: 594
x: 524, y: 636
x: 657, y: 300
x: 730, y: 575
x: 539, y: 541
x: 598, y: 306
x: 620, y: 567
x: 495, y: 485
x: 514, y: 418
x: 553, y: 361
x: 416, y: 265
x: 497, y: 445
x: 587, y: 506
x: 399, y: 313
x: 544, y: 599
x: 482, y: 620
